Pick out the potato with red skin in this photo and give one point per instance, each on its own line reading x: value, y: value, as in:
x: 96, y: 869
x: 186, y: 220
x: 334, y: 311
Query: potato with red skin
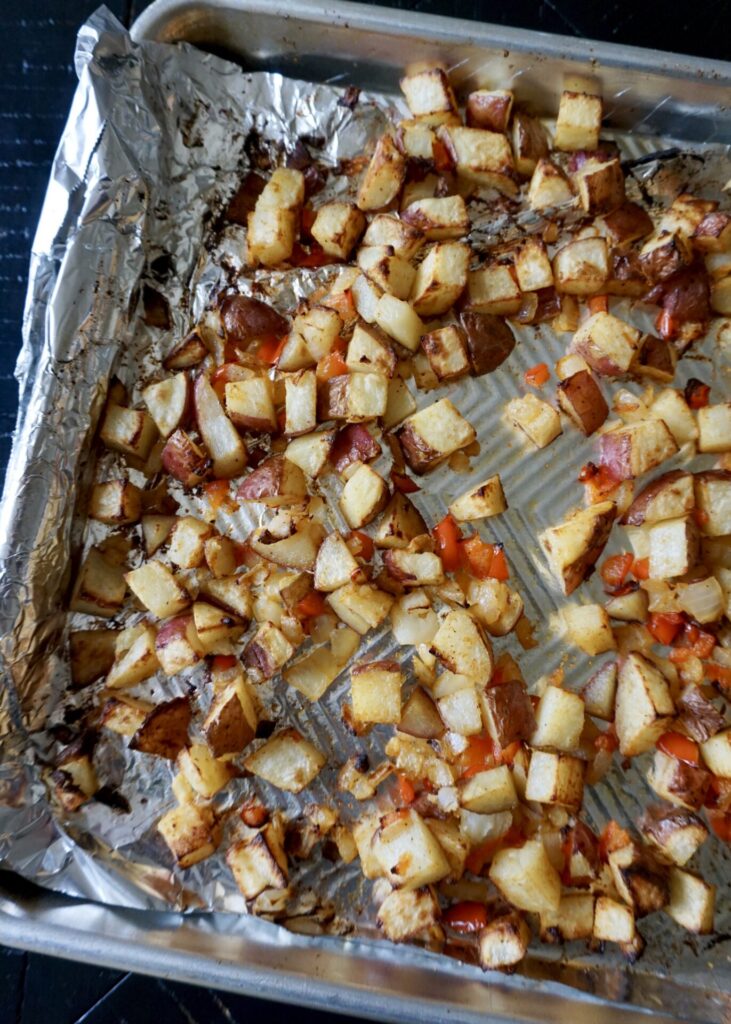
x: 686, y: 303
x: 489, y: 109
x: 276, y: 481
x: 191, y: 351
x: 633, y: 449
x: 682, y: 784
x: 582, y: 401
x: 700, y: 718
x: 625, y: 274
x: 169, y: 402
x: 508, y: 712
x: 353, y: 443
x: 177, y: 645
x: 164, y: 732
x: 607, y: 343
x: 220, y: 436
x: 530, y: 142
x: 628, y: 223
x: 656, y: 359
x: 419, y: 717
x: 246, y: 319
x: 668, y: 496
x: 490, y: 340
x: 184, y: 459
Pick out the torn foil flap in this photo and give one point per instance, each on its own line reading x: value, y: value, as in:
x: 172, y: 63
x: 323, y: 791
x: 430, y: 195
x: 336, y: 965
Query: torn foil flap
x: 157, y: 140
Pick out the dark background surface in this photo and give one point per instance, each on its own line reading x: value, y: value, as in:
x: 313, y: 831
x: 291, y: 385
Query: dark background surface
x: 36, y: 85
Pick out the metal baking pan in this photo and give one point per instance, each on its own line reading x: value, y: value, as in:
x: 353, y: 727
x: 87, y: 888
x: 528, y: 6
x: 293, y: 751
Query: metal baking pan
x: 647, y: 92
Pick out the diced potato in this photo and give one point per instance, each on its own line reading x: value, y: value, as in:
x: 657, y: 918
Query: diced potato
x: 191, y: 833
x: 259, y: 862
x: 319, y: 327
x: 714, y: 428
x: 384, y: 175
x: 216, y: 627
x: 536, y: 418
x: 178, y: 645
x: 481, y: 157
x: 446, y: 350
x: 481, y: 502
x: 462, y: 647
x: 664, y: 254
x: 493, y: 288
x: 220, y: 437
x: 116, y: 503
x: 405, y: 914
x: 369, y: 351
x: 671, y: 407
x: 365, y: 495
x: 433, y: 434
x: 155, y: 531
x: 272, y: 225
x: 275, y: 482
x: 124, y: 715
x: 360, y: 606
x: 128, y: 431
x: 313, y: 673
x: 337, y: 227
x: 559, y: 720
x: 532, y: 266
x: 573, y: 547
x: 268, y: 650
x: 75, y: 780
x: 397, y: 318
x: 716, y: 753
x: 636, y: 448
x: 407, y: 852
x: 287, y: 761
x: 231, y: 722
x: 503, y: 943
x: 385, y: 229
x: 713, y: 233
x: 526, y: 877
x: 613, y: 921
x: 300, y: 402
x: 375, y: 690
x: 599, y: 692
x: 579, y: 121
x: 220, y: 555
x: 187, y: 542
x: 580, y: 398
x: 607, y: 343
x: 490, y: 791
x: 100, y: 586
x: 530, y: 142
x: 416, y: 138
x: 713, y: 494
x: 391, y: 273
x: 460, y: 709
x: 681, y: 784
x: 230, y: 591
x: 600, y: 184
x: 667, y: 497
x: 574, y: 918
x: 581, y: 267
x: 438, y: 218
x: 310, y: 452
x: 91, y: 654
x: 673, y: 547
x: 249, y: 404
x: 428, y: 92
x: 676, y: 832
x: 440, y: 278
x: 155, y: 586
x: 508, y: 712
x: 588, y: 626
x: 555, y: 779
x: 691, y: 901
x: 549, y: 187
x: 335, y: 565
x: 414, y: 568
x: 294, y: 354
x: 643, y: 705
x: 400, y: 523
x: 489, y: 109
x: 135, y: 664
x: 630, y: 607
x: 205, y: 774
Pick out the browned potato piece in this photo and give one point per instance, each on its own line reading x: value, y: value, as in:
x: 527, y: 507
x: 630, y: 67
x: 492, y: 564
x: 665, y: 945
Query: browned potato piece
x: 231, y: 722
x: 628, y: 223
x: 268, y: 650
x: 337, y: 228
x: 183, y: 459
x: 549, y: 186
x: 274, y: 482
x: 579, y: 121
x: 713, y: 234
x: 684, y: 785
x: 446, y: 350
x: 668, y: 496
x: 581, y: 267
x: 504, y: 942
x: 128, y: 431
x: 405, y: 913
x: 400, y: 523
x: 116, y: 503
x: 100, y: 586
x: 580, y: 398
x: 600, y: 184
x: 439, y: 217
x: 490, y: 109
x: 433, y: 434
x: 643, y: 707
x: 508, y: 712
x: 493, y: 289
x: 384, y: 175
x: 191, y: 833
x: 91, y: 654
x: 481, y: 157
x: 713, y: 495
x: 164, y: 732
x: 490, y: 340
x: 640, y: 880
x: 573, y: 547
x: 429, y: 95
x: 677, y: 832
x: 630, y: 450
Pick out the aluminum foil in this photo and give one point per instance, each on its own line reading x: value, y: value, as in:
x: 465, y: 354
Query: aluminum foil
x: 157, y: 139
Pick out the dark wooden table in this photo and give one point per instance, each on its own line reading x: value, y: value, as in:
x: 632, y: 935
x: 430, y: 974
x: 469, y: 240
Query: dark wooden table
x: 36, y: 85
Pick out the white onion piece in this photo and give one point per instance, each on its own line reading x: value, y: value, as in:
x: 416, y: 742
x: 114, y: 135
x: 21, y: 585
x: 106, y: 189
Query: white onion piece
x: 478, y: 828
x: 702, y: 600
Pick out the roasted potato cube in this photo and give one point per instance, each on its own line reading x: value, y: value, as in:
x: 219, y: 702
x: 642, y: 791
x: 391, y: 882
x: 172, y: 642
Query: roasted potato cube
x: 124, y: 715
x: 189, y: 353
x: 399, y: 404
x: 573, y: 920
x: 667, y: 497
x: 716, y: 753
x: 164, y: 729
x: 136, y: 663
x: 613, y: 921
x: 600, y: 691
x: 665, y: 254
x: 713, y: 233
x: 503, y: 943
x: 360, y: 606
x: 600, y: 185
x: 407, y: 852
x: 399, y: 321
x: 271, y: 234
x: 375, y: 690
x: 526, y: 877
x: 508, y: 712
x: 588, y: 626
x: 581, y: 399
x: 481, y: 502
x: 440, y: 279
x: 579, y: 121
x: 635, y: 448
x: 678, y: 833
x: 459, y: 704
x: 489, y: 792
x: 428, y: 93
x: 178, y: 645
x: 489, y: 109
x: 644, y: 705
x: 405, y: 913
x: 532, y: 266
x: 100, y: 586
x: 713, y: 495
x: 91, y: 655
x: 481, y: 157
x: 369, y: 351
x: 220, y: 437
x: 155, y: 586
x: 287, y: 761
x: 259, y: 862
x: 671, y: 407
x: 414, y: 568
x: 674, y: 545
x: 446, y: 350
x: 191, y: 833
x: 714, y: 428
x: 433, y: 434
x: 313, y: 673
x: 493, y: 288
x: 184, y: 460
x: 537, y: 419
x: 249, y: 404
x: 699, y: 715
x: 555, y: 779
x: 530, y: 142
x: 319, y: 327
x: 155, y: 531
x: 416, y: 138
x: 462, y: 647
x: 384, y: 175
x: 629, y: 607
x: 310, y: 452
x: 205, y: 774
x: 559, y: 720
x: 390, y: 273
x: 607, y: 343
x: 365, y: 495
x: 691, y: 901
x: 300, y: 402
x: 684, y: 785
x: 187, y: 542
x: 573, y: 547
x: 116, y: 503
x: 628, y: 223
x: 549, y: 187
x: 216, y: 627
x: 337, y: 228
x: 581, y: 267
x: 221, y: 557
x: 231, y: 592
x: 275, y: 482
x: 438, y: 218
x: 335, y: 565
x: 405, y: 239
x: 268, y: 650
x: 75, y: 779
x: 357, y: 397
x: 168, y: 402
x: 128, y: 431
x: 413, y: 620
x: 400, y: 524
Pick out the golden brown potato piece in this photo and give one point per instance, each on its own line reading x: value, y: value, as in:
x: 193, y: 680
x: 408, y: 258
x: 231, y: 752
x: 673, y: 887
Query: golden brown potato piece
x: 164, y: 731
x: 582, y: 401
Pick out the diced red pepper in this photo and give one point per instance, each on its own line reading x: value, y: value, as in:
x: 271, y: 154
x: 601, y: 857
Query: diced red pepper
x: 693, y: 643
x: 499, y: 569
x: 405, y: 791
x: 598, y: 304
x: 537, y: 375
x: 715, y: 673
x: 333, y: 364
x: 466, y: 917
x: 316, y: 257
x: 403, y: 483
x: 341, y: 302
x: 310, y: 606
x: 224, y: 662
x: 508, y: 754
x: 447, y: 537
x: 598, y: 482
x: 480, y: 754
x: 641, y: 568
x: 665, y: 626
x: 613, y: 837
x: 219, y: 496
x: 270, y: 350
x: 484, y: 561
x: 674, y: 744
x: 362, y: 546
x: 615, y: 569
x: 697, y: 394
x: 701, y: 517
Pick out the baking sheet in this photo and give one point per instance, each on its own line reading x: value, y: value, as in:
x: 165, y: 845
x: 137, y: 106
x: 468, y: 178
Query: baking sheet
x: 150, y: 151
